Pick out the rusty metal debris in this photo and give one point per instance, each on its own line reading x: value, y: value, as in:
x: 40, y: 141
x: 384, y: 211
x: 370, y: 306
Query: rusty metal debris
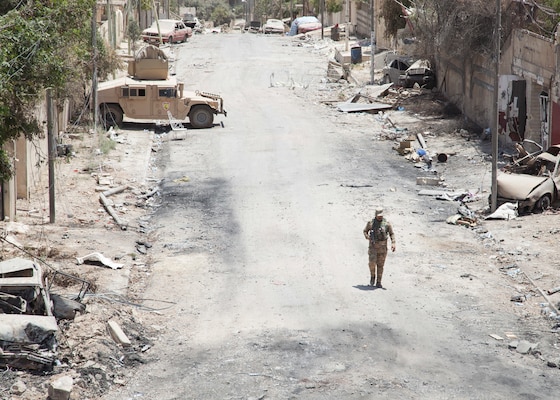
x: 534, y: 184
x: 28, y: 325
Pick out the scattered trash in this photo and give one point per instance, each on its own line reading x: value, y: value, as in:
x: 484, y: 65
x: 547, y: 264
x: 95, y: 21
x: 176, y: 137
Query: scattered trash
x: 519, y: 298
x: 506, y: 211
x: 97, y: 259
x: 553, y: 290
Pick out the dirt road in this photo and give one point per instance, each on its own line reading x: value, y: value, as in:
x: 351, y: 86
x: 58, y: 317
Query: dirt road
x: 260, y: 249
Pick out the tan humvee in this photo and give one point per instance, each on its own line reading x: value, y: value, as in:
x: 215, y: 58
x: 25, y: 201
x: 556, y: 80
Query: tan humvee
x: 152, y: 99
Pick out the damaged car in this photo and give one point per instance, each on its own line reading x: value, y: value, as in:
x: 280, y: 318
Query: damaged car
x: 274, y: 26
x: 419, y: 73
x: 535, y: 188
x: 27, y: 322
x: 395, y: 66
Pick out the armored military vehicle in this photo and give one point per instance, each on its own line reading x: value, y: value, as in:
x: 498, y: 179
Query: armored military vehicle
x: 148, y: 93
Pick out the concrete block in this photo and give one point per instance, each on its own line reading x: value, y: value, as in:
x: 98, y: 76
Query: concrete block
x: 423, y: 180
x: 61, y: 388
x: 117, y: 334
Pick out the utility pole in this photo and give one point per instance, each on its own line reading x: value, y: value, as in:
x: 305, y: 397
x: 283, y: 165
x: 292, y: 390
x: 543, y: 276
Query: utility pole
x: 110, y: 24
x: 322, y: 19
x: 372, y: 64
x: 52, y: 155
x: 497, y: 38
x: 94, y: 67
x: 347, y: 29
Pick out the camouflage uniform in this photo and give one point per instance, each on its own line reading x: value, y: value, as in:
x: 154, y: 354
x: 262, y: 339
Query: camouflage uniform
x: 377, y: 231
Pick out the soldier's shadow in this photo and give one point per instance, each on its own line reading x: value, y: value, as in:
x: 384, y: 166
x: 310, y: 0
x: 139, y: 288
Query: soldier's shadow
x: 364, y: 287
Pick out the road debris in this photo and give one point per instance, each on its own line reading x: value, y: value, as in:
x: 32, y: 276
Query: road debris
x: 98, y: 259
x: 28, y: 328
x: 506, y: 211
x: 118, y: 334
x: 61, y: 388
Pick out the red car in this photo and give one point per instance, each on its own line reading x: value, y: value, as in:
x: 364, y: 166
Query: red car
x: 172, y: 31
x: 304, y: 25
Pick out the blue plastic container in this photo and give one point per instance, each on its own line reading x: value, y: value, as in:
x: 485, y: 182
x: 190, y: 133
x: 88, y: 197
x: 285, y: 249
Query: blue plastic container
x: 356, y: 55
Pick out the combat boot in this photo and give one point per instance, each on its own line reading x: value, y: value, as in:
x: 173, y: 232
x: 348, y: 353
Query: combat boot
x: 372, y: 281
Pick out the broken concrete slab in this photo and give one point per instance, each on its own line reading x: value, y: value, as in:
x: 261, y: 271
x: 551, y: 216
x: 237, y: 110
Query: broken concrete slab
x: 441, y: 193
x: 98, y: 259
x: 430, y: 181
x: 359, y: 107
x: 61, y: 388
x: 117, y: 333
x: 525, y: 347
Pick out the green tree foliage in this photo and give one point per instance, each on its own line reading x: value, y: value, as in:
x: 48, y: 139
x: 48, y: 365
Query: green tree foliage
x: 455, y: 28
x: 333, y: 6
x: 44, y: 43
x: 554, y: 4
x: 222, y: 14
x: 205, y: 9
x: 392, y: 15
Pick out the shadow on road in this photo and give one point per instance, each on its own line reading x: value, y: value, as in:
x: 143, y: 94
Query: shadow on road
x: 367, y: 287
x: 364, y: 287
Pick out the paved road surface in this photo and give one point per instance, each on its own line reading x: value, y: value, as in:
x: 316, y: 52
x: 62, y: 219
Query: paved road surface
x: 261, y: 249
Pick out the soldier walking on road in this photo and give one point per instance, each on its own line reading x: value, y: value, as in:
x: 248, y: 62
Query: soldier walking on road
x: 377, y: 231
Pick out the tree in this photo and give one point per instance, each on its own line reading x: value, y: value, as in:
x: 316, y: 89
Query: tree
x: 455, y: 28
x: 222, y: 14
x: 45, y: 44
x: 206, y: 8
x: 393, y: 16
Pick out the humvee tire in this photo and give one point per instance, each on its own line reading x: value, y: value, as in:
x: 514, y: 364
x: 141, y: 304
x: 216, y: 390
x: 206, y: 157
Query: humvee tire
x: 201, y: 117
x: 111, y: 115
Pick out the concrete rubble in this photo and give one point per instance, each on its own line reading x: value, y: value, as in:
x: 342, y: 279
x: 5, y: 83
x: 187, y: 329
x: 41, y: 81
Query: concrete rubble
x: 61, y: 388
x: 28, y: 328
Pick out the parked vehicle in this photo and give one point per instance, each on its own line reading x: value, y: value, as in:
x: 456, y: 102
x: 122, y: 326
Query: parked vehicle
x: 170, y: 31
x: 152, y: 99
x: 421, y: 73
x: 191, y: 21
x: 304, y: 25
x: 536, y: 188
x: 395, y: 66
x: 254, y: 27
x: 274, y: 26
